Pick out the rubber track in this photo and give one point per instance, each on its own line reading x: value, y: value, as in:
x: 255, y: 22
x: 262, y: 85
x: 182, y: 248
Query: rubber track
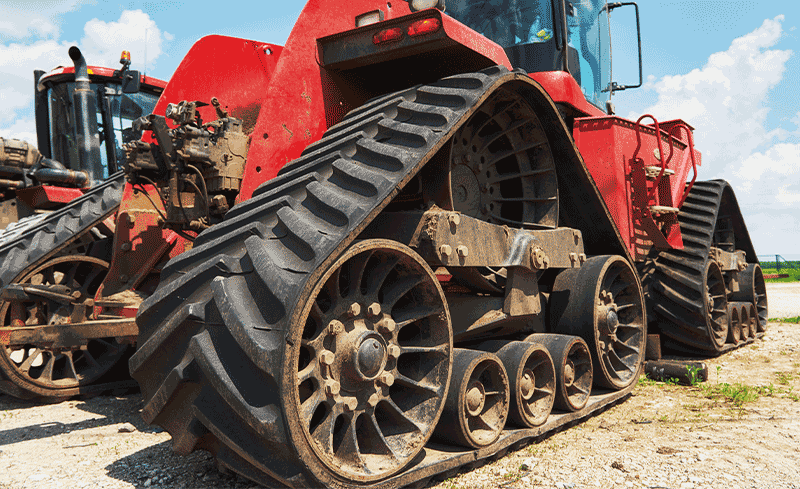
x: 212, y: 336
x: 677, y: 283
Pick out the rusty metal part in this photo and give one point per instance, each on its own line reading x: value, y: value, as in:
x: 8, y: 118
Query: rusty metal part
x: 374, y: 361
x: 67, y: 335
x: 728, y: 261
x: 42, y: 353
x: 735, y: 328
x: 18, y: 154
x: 752, y: 288
x: 653, y: 348
x: 686, y: 373
x: 532, y: 380
x: 716, y: 304
x: 502, y: 171
x: 603, y: 303
x: 573, y: 367
x: 477, y: 404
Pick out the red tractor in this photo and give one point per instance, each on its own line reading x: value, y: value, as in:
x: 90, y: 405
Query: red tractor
x: 83, y: 117
x: 406, y: 241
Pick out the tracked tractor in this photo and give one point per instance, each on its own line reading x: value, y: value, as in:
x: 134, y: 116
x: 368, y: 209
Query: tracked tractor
x: 407, y: 241
x: 83, y: 117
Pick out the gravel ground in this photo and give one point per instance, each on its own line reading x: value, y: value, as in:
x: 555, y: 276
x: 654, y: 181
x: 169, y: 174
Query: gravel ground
x: 663, y: 436
x: 783, y: 299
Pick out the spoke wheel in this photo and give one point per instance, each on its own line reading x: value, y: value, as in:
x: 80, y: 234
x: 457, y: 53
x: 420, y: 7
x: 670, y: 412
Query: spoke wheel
x: 502, y: 172
x: 477, y: 404
x: 373, y: 362
x: 602, y: 302
x: 57, y: 372
x: 715, y: 304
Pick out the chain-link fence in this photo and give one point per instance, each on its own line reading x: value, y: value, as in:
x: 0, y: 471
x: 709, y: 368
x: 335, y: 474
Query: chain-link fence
x: 777, y: 262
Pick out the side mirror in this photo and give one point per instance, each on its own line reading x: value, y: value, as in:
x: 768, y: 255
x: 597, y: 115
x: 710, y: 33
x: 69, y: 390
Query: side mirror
x: 622, y: 46
x: 131, y: 81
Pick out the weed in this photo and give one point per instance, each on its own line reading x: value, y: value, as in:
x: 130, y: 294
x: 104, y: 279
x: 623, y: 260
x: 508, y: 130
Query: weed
x: 784, y: 378
x: 694, y: 374
x: 792, y: 320
x: 736, y: 394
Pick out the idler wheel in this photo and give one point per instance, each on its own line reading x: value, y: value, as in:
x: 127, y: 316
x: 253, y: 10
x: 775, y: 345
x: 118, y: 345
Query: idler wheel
x: 372, y: 365
x: 477, y: 404
x: 532, y: 380
x: 573, y: 369
x: 602, y: 302
x: 734, y: 324
x: 752, y: 288
x: 716, y: 305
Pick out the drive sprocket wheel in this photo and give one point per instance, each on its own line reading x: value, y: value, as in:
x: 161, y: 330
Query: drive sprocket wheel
x: 54, y: 373
x: 502, y: 171
x: 373, y: 362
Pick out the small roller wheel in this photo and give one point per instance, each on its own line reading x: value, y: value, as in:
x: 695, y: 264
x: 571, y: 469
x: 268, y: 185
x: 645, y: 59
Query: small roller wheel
x: 532, y: 379
x: 734, y: 324
x: 573, y: 368
x: 716, y: 305
x: 752, y: 288
x: 749, y: 320
x: 602, y: 302
x: 477, y: 404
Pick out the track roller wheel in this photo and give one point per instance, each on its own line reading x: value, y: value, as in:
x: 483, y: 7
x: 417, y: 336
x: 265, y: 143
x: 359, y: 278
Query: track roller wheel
x: 716, y: 305
x: 747, y: 314
x: 532, y: 380
x: 54, y: 374
x: 602, y: 302
x: 752, y: 288
x: 573, y: 367
x: 502, y: 171
x: 477, y: 404
x: 372, y: 364
x: 734, y: 325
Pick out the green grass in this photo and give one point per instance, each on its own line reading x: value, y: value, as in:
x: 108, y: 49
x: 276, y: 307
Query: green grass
x: 794, y: 320
x: 794, y: 274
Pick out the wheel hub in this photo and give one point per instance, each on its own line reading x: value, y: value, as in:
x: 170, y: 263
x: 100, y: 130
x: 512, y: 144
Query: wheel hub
x: 370, y: 356
x: 475, y: 398
x: 569, y: 373
x: 527, y: 384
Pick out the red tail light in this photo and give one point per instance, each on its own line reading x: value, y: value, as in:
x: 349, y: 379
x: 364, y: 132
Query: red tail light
x: 387, y: 35
x: 424, y: 26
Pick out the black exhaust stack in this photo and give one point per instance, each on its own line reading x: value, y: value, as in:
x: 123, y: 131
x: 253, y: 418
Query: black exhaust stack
x: 85, y: 102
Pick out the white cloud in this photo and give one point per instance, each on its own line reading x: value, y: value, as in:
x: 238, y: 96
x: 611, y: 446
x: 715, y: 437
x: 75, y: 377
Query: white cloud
x: 24, y: 129
x: 101, y: 44
x: 725, y: 100
x: 19, y: 21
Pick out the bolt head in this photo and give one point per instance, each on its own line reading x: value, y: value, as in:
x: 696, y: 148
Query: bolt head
x: 445, y: 250
x: 354, y: 309
x: 386, y: 379
x: 394, y: 351
x: 125, y: 247
x: 332, y: 388
x: 335, y: 327
x: 387, y: 326
x: 373, y: 400
x: 455, y: 219
x: 462, y: 251
x: 326, y: 357
x: 373, y: 309
x: 350, y: 404
x: 123, y: 278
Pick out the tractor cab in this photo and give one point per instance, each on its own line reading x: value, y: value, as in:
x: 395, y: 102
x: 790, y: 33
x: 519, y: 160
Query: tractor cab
x: 106, y: 106
x: 532, y: 34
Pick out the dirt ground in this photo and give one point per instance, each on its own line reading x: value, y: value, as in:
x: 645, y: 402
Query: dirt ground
x: 745, y: 435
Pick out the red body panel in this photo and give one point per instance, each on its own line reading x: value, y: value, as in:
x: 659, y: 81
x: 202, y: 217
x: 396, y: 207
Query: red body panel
x: 563, y: 89
x: 608, y: 146
x: 48, y: 196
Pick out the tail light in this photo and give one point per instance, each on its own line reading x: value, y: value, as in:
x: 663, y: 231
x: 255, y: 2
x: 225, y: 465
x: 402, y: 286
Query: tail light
x: 387, y: 35
x: 424, y: 26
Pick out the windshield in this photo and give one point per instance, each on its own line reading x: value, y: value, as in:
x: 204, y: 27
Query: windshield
x: 125, y: 108
x: 529, y: 31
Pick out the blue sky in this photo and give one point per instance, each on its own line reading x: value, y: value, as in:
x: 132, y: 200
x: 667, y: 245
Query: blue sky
x: 731, y: 68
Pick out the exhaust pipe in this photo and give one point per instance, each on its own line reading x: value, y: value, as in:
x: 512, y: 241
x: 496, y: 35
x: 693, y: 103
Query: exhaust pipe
x: 85, y: 102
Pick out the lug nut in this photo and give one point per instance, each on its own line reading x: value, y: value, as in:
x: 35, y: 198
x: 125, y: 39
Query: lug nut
x: 582, y: 258
x: 373, y: 400
x: 326, y: 357
x: 350, y: 404
x: 445, y: 250
x: 387, y: 326
x: 373, y: 309
x: 386, y: 379
x: 455, y: 219
x: 462, y: 251
x: 125, y: 247
x: 332, y: 388
x: 335, y: 327
x: 394, y: 351
x: 354, y: 309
